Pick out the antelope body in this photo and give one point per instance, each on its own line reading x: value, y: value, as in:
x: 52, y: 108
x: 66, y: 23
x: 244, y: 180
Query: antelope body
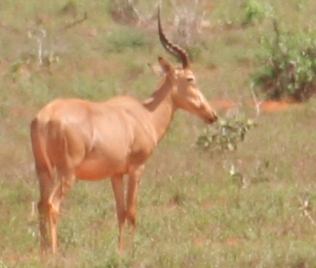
x: 79, y: 139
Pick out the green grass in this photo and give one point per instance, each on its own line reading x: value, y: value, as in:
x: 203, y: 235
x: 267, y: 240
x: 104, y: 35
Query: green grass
x: 192, y: 212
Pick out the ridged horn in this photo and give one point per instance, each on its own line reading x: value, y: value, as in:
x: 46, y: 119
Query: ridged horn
x: 173, y: 49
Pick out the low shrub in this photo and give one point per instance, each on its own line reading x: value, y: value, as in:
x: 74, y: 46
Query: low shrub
x: 253, y: 12
x: 287, y: 65
x: 226, y: 134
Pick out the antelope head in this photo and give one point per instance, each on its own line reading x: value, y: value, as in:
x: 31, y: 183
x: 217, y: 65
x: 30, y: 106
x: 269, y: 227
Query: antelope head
x: 185, y: 91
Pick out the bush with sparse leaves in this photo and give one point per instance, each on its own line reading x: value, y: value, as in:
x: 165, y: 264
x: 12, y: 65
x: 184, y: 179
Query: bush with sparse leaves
x: 226, y: 134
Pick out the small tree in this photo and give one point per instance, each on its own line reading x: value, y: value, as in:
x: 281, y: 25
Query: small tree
x: 124, y: 11
x: 188, y: 19
x: 288, y: 65
x: 254, y: 12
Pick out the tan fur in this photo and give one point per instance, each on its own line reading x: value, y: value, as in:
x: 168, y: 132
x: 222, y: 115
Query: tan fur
x: 79, y: 139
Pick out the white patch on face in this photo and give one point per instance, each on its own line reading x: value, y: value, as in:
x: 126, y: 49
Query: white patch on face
x: 199, y: 100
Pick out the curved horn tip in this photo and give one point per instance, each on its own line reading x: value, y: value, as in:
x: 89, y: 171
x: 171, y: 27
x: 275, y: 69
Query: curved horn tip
x: 173, y: 49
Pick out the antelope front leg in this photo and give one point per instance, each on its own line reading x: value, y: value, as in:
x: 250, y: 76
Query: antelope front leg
x: 118, y: 189
x: 132, y: 192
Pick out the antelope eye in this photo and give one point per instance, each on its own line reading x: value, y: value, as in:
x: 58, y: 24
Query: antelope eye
x: 190, y: 79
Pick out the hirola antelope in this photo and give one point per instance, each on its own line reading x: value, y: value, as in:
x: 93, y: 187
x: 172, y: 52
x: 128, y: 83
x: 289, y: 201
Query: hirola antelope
x: 80, y: 139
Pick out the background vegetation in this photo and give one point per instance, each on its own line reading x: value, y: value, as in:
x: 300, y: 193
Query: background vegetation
x: 253, y: 206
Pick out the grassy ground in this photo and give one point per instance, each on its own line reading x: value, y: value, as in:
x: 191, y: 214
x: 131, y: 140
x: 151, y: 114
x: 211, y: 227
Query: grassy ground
x: 192, y: 212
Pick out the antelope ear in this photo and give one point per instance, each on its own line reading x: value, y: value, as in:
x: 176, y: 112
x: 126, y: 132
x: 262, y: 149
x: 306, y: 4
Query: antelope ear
x: 165, y: 65
x: 156, y: 69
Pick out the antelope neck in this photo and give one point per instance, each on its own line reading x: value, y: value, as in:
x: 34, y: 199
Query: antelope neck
x: 161, y: 107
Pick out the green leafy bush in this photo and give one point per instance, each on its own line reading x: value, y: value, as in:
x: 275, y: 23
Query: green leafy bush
x: 253, y: 12
x: 288, y: 65
x: 226, y: 134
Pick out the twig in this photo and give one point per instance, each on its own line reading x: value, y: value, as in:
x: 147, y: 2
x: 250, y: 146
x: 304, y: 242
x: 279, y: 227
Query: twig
x: 277, y: 34
x: 39, y: 39
x: 10, y: 28
x: 76, y: 22
x: 257, y: 103
x: 304, y: 207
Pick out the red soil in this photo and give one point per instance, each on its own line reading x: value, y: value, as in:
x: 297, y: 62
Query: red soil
x: 276, y: 106
x: 266, y: 106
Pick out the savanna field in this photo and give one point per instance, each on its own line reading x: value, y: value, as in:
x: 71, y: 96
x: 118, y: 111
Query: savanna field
x: 222, y: 203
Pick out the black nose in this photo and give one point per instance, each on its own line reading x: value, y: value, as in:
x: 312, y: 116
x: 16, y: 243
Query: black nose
x: 215, y: 118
